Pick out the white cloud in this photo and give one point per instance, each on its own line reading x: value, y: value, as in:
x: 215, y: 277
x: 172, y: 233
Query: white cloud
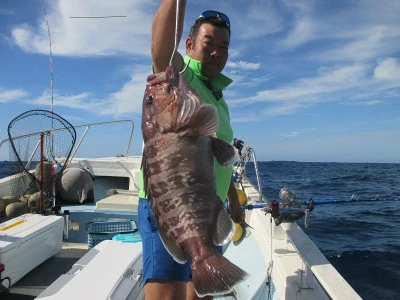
x: 365, y: 43
x: 84, y: 101
x: 89, y: 36
x: 7, y: 95
x: 130, y: 97
x: 127, y: 100
x: 256, y: 19
x: 309, y: 90
x: 388, y: 69
x: 292, y: 134
x: 303, y: 32
x: 244, y: 65
x: 284, y: 108
x: 372, y: 102
x: 394, y: 93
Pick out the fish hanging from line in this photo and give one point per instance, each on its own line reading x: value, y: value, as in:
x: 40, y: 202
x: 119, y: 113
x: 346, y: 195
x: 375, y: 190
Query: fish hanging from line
x: 178, y: 164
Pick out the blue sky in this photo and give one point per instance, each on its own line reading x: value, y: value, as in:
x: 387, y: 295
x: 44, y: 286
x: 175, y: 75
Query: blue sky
x: 313, y: 80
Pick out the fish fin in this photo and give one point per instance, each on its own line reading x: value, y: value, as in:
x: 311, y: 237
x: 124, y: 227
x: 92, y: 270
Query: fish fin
x: 173, y: 248
x: 188, y: 108
x: 224, y: 153
x: 225, y: 228
x: 204, y: 122
x: 216, y: 275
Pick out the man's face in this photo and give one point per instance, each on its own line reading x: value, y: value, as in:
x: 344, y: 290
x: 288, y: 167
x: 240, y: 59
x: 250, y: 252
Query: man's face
x: 211, y: 48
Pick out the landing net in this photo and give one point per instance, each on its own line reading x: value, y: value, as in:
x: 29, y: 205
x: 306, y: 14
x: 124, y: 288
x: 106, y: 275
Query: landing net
x: 41, y: 143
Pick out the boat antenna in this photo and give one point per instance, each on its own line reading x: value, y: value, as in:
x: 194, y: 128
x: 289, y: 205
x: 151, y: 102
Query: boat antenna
x: 50, y: 55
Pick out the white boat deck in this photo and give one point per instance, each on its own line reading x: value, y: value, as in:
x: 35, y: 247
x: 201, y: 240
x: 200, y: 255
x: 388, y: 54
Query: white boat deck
x: 120, y: 200
x: 45, y: 274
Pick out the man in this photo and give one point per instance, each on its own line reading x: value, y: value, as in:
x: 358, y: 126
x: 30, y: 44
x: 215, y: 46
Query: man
x: 207, y: 53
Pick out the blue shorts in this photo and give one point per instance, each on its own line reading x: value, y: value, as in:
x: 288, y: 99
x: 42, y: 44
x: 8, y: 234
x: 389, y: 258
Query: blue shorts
x: 158, y: 264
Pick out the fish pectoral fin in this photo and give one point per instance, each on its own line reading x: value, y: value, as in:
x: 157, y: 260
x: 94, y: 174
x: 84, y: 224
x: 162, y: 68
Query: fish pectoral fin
x: 204, y: 122
x: 173, y: 248
x: 225, y: 228
x: 188, y: 108
x: 223, y: 152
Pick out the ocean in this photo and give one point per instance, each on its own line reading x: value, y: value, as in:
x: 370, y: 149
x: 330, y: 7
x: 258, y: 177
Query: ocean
x: 360, y: 238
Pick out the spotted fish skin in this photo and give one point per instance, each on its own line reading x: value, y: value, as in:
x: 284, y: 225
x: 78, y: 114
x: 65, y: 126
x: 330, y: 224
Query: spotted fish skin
x: 178, y: 164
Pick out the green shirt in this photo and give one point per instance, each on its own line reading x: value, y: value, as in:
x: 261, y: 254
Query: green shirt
x: 193, y: 75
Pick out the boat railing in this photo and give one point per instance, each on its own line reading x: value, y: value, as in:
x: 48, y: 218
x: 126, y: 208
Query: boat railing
x: 245, y: 153
x: 86, y: 128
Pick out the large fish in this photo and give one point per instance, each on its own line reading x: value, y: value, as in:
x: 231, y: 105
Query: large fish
x: 178, y: 163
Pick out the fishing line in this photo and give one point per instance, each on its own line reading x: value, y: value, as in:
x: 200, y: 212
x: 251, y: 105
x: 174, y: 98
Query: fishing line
x: 98, y: 17
x: 176, y: 31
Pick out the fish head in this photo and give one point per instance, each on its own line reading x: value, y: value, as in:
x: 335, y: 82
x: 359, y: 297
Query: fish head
x: 161, y: 101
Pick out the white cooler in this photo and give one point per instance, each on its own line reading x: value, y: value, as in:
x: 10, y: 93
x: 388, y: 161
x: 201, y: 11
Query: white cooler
x: 27, y: 241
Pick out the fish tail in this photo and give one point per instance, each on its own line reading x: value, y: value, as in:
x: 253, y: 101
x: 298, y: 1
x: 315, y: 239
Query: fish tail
x: 216, y: 275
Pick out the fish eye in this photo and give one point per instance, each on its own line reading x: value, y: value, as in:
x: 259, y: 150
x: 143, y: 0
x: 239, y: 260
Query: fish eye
x: 149, y: 99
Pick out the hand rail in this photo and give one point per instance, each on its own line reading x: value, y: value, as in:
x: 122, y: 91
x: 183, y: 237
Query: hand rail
x: 88, y: 126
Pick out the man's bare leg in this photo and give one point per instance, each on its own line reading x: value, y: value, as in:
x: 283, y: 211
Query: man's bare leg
x: 191, y: 294
x: 165, y: 290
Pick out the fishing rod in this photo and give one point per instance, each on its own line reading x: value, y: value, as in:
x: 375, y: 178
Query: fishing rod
x: 331, y: 201
x: 317, y: 202
x: 287, y: 196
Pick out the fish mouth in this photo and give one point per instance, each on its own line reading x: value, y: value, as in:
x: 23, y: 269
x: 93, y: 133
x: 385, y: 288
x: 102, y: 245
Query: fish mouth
x: 162, y: 88
x: 170, y: 77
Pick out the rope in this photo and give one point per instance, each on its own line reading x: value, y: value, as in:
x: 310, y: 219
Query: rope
x: 271, y: 262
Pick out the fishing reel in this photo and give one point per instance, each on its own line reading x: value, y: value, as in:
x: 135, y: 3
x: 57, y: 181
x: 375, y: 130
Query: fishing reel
x: 292, y: 210
x: 244, y: 153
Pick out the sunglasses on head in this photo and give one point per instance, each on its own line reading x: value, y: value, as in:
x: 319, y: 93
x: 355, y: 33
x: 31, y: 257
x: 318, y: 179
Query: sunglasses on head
x: 209, y: 14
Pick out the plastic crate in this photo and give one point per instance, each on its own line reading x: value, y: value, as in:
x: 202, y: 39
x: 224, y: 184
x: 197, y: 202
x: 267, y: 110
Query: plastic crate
x: 101, y: 231
x: 128, y: 237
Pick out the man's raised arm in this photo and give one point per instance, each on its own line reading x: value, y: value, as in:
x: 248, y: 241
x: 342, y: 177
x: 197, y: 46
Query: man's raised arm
x: 163, y: 35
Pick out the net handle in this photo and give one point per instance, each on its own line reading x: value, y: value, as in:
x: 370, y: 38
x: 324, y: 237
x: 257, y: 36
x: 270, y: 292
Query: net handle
x: 41, y: 173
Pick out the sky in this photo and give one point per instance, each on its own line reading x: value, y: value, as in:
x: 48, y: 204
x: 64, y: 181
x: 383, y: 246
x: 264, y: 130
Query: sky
x: 313, y: 80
